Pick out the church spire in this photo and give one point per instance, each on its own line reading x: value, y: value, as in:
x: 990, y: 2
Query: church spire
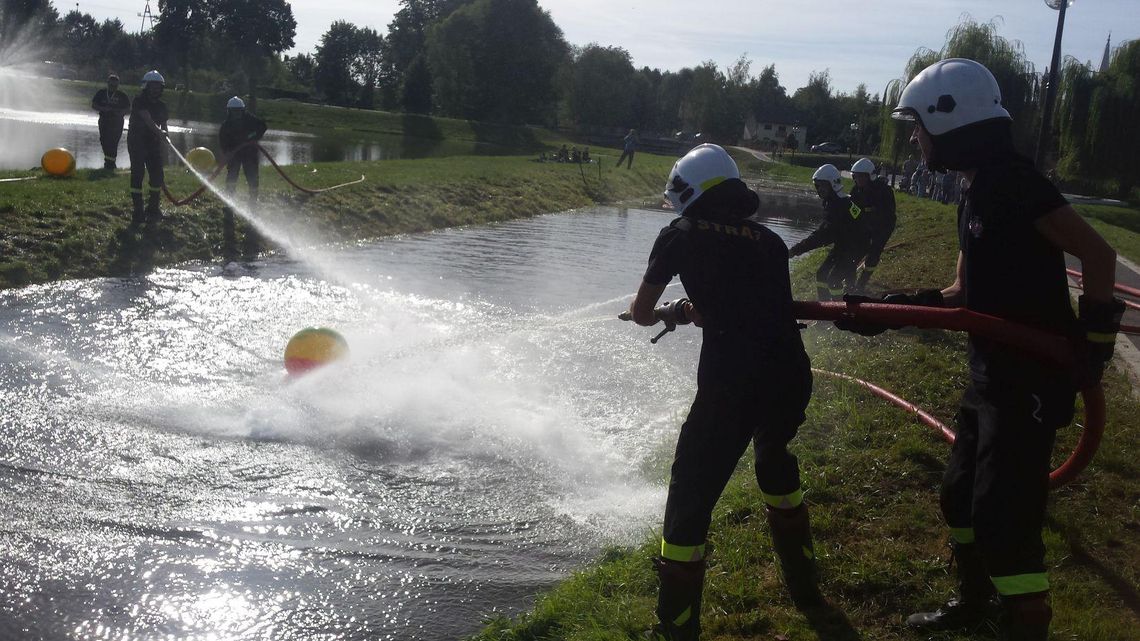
x: 1104, y: 59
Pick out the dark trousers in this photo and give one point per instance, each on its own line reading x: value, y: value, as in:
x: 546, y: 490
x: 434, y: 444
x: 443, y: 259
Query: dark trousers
x: 715, y: 435
x: 997, y: 479
x: 837, y: 269
x: 110, y: 133
x: 146, y: 158
x: 247, y: 164
x: 628, y: 153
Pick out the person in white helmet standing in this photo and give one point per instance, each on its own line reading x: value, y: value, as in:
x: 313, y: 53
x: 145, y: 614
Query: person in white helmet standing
x: 146, y: 137
x: 753, y: 381
x: 877, y: 200
x: 239, y: 128
x: 1014, y: 228
x: 844, y: 227
x: 238, y: 135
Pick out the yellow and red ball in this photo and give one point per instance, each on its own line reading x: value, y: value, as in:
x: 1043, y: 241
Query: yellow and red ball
x: 201, y: 159
x: 314, y: 347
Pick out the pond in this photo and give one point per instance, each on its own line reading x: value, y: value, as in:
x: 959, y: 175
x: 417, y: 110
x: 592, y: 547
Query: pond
x: 495, y: 427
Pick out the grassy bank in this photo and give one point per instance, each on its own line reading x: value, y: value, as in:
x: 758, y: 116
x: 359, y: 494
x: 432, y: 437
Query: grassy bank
x: 78, y: 227
x: 871, y: 475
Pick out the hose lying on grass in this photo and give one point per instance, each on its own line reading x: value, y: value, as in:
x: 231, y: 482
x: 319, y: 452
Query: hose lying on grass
x: 1123, y: 289
x: 221, y: 166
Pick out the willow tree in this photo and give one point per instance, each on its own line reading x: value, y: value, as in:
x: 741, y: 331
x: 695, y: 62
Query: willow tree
x: 1019, y: 82
x: 1099, y: 136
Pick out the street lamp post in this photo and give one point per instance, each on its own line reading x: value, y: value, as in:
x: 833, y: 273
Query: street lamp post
x: 796, y: 136
x: 1045, y: 137
x: 855, y: 133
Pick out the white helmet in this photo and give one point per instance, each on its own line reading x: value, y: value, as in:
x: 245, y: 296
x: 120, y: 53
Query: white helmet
x: 951, y: 94
x: 863, y: 166
x: 703, y: 168
x: 830, y: 175
x: 153, y: 76
x: 235, y: 103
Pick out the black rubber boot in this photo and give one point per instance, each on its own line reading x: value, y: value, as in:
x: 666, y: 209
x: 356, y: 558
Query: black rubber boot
x: 153, y: 213
x: 678, y: 600
x: 1026, y: 617
x: 138, y: 217
x: 791, y: 538
x: 976, y: 603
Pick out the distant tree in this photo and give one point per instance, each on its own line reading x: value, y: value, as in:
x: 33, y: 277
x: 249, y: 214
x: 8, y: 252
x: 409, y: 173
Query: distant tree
x: 415, y: 94
x: 815, y: 103
x: 406, y: 48
x: 368, y: 67
x: 22, y: 24
x: 181, y: 28
x: 80, y: 34
x: 255, y: 30
x: 790, y: 142
x: 602, y: 87
x: 302, y: 68
x: 1097, y: 113
x: 334, y: 58
x: 497, y: 60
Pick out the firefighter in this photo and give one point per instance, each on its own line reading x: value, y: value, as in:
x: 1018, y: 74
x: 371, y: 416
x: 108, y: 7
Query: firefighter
x: 113, y: 106
x: 1014, y: 228
x: 877, y: 200
x: 239, y: 128
x: 753, y: 381
x: 844, y: 227
x: 146, y: 136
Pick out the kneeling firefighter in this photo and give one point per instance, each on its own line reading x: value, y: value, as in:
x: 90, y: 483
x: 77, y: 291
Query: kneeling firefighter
x: 844, y: 227
x: 753, y: 381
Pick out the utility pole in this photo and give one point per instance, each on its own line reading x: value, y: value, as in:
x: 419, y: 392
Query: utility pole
x: 1045, y: 138
x: 146, y: 15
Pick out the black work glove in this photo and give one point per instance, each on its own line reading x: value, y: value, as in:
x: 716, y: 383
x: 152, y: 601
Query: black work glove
x: 1099, y: 323
x: 862, y: 328
x: 921, y: 298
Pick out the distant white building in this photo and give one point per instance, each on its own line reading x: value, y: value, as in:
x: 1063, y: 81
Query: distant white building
x: 771, y: 131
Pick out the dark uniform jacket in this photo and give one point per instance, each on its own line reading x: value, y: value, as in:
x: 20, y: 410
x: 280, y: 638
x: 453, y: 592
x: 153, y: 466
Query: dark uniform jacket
x: 844, y: 226
x: 1011, y: 270
x: 878, y: 205
x: 138, y: 133
x: 237, y: 131
x: 117, y: 100
x: 735, y: 270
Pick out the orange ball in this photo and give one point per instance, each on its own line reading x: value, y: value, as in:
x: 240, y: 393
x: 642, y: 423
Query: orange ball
x: 313, y: 347
x: 58, y: 162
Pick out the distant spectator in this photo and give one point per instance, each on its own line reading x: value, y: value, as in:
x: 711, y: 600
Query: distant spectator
x: 575, y: 155
x: 586, y: 155
x: 563, y: 154
x: 113, y: 106
x: 629, y: 145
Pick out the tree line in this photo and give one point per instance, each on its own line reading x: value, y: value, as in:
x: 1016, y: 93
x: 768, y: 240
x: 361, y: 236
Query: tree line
x: 506, y: 61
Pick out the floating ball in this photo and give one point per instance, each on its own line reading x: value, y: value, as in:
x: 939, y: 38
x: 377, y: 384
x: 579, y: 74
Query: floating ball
x: 313, y: 347
x: 201, y: 159
x: 58, y: 162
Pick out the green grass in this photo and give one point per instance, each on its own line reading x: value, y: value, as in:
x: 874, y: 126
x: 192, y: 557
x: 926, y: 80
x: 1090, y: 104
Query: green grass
x: 871, y: 475
x: 1120, y: 226
x: 78, y: 227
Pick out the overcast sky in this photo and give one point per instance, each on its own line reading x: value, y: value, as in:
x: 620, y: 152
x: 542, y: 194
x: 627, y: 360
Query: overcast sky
x: 868, y: 41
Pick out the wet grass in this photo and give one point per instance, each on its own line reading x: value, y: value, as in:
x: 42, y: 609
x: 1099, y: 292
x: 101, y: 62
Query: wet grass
x: 871, y: 475
x: 79, y: 227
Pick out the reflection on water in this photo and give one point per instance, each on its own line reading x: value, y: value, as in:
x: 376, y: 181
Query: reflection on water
x: 27, y: 134
x: 159, y: 478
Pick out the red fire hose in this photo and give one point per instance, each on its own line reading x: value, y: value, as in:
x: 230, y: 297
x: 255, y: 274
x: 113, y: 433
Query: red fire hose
x: 273, y: 162
x: 1123, y: 289
x: 1049, y: 346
